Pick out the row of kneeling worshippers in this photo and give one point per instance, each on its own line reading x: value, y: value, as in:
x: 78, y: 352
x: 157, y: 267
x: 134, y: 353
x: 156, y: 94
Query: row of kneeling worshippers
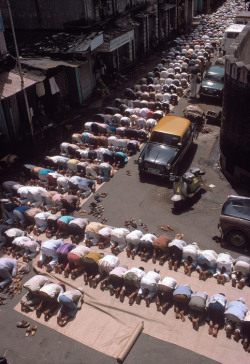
x: 176, y: 252
x: 45, y: 296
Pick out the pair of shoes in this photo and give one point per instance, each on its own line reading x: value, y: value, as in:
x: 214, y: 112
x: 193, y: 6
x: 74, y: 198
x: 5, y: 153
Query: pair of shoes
x: 31, y: 330
x: 23, y: 324
x: 103, y: 195
x: 3, y: 301
x: 128, y: 173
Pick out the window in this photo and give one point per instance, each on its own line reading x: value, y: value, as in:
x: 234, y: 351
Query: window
x: 164, y: 138
x: 186, y: 136
x: 232, y: 35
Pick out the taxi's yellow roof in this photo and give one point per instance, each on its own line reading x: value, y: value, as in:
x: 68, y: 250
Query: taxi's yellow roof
x: 174, y: 125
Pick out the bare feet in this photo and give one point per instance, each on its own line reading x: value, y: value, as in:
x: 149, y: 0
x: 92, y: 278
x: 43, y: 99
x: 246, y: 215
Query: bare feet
x: 170, y: 264
x: 234, y: 282
x: 48, y: 268
x: 245, y: 344
x: 85, y: 277
x: 161, y: 261
x: 175, y: 266
x: 215, y: 330
x: 38, y: 313
x: 195, y: 324
x: 240, y: 285
x: 121, y: 297
x: 117, y: 292
x: 189, y: 271
x: 138, y: 299
x: 182, y: 316
x: 228, y: 332
x: 158, y: 306
x: 210, y: 328
x: 236, y: 335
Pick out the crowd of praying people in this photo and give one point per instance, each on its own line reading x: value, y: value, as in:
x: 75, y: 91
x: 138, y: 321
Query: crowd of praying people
x: 47, y: 202
x: 45, y: 296
x: 77, y: 259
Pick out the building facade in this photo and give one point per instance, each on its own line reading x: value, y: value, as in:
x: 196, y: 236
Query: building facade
x: 235, y: 127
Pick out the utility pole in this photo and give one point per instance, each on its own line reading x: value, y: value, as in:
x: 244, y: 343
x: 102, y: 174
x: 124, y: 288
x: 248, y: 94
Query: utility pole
x: 21, y: 74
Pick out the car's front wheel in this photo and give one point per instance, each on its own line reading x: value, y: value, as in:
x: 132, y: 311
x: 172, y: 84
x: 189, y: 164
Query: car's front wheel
x: 237, y: 238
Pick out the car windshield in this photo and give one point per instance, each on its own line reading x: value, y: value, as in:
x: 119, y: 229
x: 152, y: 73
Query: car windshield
x: 214, y: 77
x: 164, y: 138
x: 238, y: 207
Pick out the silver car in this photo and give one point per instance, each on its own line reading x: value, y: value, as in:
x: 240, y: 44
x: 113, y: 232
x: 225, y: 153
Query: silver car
x: 234, y: 221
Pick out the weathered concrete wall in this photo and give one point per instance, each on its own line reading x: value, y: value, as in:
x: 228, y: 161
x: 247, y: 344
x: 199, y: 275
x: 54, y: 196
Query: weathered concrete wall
x: 43, y: 14
x: 235, y: 127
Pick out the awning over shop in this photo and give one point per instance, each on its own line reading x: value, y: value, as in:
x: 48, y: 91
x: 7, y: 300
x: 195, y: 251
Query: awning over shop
x: 117, y: 42
x: 10, y: 84
x: 47, y: 63
x: 90, y: 43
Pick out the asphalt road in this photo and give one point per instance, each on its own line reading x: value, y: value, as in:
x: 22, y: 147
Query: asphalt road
x: 148, y: 200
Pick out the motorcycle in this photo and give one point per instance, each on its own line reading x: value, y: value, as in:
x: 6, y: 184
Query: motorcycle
x: 186, y: 186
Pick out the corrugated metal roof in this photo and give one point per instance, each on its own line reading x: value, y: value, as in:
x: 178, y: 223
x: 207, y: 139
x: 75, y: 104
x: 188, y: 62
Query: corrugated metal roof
x: 10, y: 84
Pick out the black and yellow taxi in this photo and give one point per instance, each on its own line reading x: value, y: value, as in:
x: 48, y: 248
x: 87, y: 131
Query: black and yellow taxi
x: 169, y: 142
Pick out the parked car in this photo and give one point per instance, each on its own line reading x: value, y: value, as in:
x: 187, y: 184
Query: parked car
x: 170, y: 140
x: 213, y: 83
x: 234, y: 221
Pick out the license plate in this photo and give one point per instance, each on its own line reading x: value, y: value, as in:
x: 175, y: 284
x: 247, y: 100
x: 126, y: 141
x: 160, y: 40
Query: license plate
x: 154, y: 171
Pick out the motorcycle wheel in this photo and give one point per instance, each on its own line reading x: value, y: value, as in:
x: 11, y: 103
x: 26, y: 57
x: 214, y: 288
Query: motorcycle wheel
x: 178, y: 205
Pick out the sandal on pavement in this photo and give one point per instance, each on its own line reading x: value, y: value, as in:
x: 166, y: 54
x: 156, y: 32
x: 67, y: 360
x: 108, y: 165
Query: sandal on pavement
x: 28, y: 331
x: 33, y: 330
x: 23, y: 324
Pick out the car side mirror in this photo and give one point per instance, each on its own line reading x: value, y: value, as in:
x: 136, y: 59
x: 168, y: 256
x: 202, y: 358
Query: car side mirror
x: 179, y: 145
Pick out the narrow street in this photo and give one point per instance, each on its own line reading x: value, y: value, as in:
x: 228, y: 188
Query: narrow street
x: 147, y: 201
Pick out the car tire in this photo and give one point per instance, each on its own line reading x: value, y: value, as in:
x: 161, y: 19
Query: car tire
x: 142, y: 174
x: 237, y: 238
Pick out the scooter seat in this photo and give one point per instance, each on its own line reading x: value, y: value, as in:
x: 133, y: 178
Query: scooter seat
x: 196, y: 171
x: 188, y: 177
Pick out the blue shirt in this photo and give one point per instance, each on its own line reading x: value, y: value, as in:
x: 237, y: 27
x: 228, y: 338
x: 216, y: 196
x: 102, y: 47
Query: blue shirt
x: 219, y: 298
x: 52, y: 244
x: 238, y: 309
x: 123, y: 155
x: 22, y: 209
x: 45, y: 171
x: 66, y: 219
x: 9, y: 264
x: 186, y: 290
x: 113, y: 129
x: 76, y: 179
x: 86, y: 182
